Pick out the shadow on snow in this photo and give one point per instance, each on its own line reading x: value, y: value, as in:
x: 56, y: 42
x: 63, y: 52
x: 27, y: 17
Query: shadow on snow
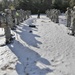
x: 29, y: 60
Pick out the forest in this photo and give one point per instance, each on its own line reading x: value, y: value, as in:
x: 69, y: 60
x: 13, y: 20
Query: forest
x: 35, y: 5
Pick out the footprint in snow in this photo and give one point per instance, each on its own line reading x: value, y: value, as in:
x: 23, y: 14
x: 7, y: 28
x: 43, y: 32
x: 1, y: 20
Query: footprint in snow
x: 57, y: 60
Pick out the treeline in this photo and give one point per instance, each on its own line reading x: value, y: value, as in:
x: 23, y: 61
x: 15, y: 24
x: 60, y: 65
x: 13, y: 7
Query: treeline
x: 63, y: 4
x: 35, y: 5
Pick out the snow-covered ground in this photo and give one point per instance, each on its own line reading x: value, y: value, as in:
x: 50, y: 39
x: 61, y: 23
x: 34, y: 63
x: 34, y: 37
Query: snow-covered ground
x: 48, y: 50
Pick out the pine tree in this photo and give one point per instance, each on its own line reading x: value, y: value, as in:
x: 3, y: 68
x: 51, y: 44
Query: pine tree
x: 72, y: 3
x: 56, y: 4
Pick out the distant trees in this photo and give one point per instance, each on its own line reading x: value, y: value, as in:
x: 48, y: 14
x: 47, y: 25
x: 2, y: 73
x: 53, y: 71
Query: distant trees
x: 35, y: 5
x: 4, y: 4
x: 57, y: 4
x: 60, y: 4
x: 43, y: 5
x: 65, y: 4
x: 0, y: 6
x: 72, y: 3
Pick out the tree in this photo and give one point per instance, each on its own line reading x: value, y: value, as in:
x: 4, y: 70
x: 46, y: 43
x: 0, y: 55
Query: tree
x: 35, y: 5
x: 72, y: 3
x: 5, y: 4
x: 57, y: 4
x: 65, y: 4
x: 1, y: 7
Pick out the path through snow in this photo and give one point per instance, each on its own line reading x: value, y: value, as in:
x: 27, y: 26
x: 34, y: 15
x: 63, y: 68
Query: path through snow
x: 48, y: 50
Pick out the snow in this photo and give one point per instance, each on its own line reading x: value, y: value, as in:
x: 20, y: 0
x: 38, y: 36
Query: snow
x: 48, y: 50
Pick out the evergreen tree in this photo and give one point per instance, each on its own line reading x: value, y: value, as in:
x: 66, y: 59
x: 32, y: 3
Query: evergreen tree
x: 72, y: 3
x: 57, y: 4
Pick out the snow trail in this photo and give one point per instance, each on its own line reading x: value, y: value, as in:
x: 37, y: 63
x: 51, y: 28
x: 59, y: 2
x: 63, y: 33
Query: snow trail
x: 48, y: 50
